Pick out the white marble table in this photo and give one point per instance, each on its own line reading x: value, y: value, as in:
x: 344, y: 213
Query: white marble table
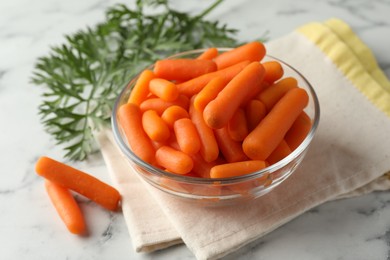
x: 356, y: 228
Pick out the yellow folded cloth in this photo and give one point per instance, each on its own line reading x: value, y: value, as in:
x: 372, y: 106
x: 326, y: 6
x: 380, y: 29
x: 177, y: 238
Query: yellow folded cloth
x: 349, y: 155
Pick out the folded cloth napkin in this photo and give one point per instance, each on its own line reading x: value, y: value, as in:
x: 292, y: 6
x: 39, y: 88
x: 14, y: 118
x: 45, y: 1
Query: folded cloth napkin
x: 349, y: 155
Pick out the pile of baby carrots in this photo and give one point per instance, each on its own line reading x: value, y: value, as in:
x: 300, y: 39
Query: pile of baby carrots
x: 61, y: 180
x: 218, y: 115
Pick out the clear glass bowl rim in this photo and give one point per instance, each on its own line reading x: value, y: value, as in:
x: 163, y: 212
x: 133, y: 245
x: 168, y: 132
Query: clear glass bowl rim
x: 221, y: 181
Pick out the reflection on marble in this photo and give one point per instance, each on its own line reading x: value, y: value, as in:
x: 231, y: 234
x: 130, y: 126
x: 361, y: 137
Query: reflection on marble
x: 357, y: 228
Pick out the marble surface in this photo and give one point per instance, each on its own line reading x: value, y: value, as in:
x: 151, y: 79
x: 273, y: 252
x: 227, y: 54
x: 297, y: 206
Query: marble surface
x: 357, y: 228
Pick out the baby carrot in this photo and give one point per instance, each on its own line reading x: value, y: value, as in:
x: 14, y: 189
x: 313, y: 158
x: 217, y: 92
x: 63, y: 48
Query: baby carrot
x: 231, y: 150
x: 255, y: 112
x: 253, y: 51
x: 173, y: 113
x: 78, y: 181
x: 209, y: 147
x: 130, y: 119
x: 193, y: 86
x: 219, y: 111
x: 141, y: 88
x: 187, y: 136
x: 163, y: 89
x: 154, y: 126
x: 183, y: 69
x: 280, y: 152
x: 208, y: 93
x: 237, y: 125
x: 208, y: 54
x: 67, y: 207
x: 260, y: 143
x: 201, y: 167
x: 298, y: 131
x: 176, y: 186
x: 173, y: 160
x: 271, y: 95
x: 159, y: 105
x: 236, y: 168
x: 273, y: 71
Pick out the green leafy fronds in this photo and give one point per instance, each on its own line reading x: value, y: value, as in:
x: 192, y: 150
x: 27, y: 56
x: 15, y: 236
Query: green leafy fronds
x: 83, y: 76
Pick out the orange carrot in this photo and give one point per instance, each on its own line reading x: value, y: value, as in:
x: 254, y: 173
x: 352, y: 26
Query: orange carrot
x: 78, y: 181
x: 281, y: 151
x: 253, y: 93
x: 236, y: 168
x: 163, y: 89
x: 173, y: 113
x: 201, y: 167
x: 231, y: 150
x: 218, y: 112
x: 237, y: 125
x: 187, y: 136
x: 173, y: 160
x: 246, y: 187
x: 141, y: 88
x: 209, y: 92
x: 273, y: 71
x: 183, y: 69
x: 67, y: 207
x: 209, y: 147
x: 193, y: 86
x: 177, y: 186
x: 260, y: 143
x: 255, y: 112
x: 253, y: 51
x: 154, y: 126
x: 208, y: 54
x: 130, y: 119
x: 159, y: 105
x: 271, y: 95
x: 298, y: 131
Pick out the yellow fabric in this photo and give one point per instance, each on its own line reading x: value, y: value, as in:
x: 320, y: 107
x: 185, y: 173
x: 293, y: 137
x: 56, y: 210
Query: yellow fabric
x: 361, y: 51
x: 353, y: 58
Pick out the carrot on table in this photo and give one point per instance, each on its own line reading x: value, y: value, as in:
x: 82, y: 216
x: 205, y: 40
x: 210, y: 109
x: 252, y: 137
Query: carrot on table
x: 236, y: 168
x: 173, y: 160
x: 209, y: 147
x: 163, y: 89
x: 209, y: 92
x: 260, y: 143
x: 208, y: 54
x: 183, y: 69
x: 159, y: 105
x: 187, y: 136
x: 219, y: 111
x: 255, y: 111
x: 78, y: 181
x: 273, y: 71
x: 253, y: 51
x: 130, y: 119
x: 154, y: 126
x: 298, y: 131
x: 67, y: 207
x: 272, y: 94
x: 193, y: 86
x: 281, y: 151
x: 231, y: 150
x: 173, y: 113
x: 141, y: 88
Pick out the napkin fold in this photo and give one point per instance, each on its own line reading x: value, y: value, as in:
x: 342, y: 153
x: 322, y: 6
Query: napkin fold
x: 349, y: 156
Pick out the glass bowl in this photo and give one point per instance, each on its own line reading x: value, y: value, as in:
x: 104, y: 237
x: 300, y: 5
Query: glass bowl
x: 222, y: 191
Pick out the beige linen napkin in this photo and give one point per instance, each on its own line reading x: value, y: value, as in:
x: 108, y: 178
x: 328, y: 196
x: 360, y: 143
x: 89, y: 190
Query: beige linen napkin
x: 349, y: 155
